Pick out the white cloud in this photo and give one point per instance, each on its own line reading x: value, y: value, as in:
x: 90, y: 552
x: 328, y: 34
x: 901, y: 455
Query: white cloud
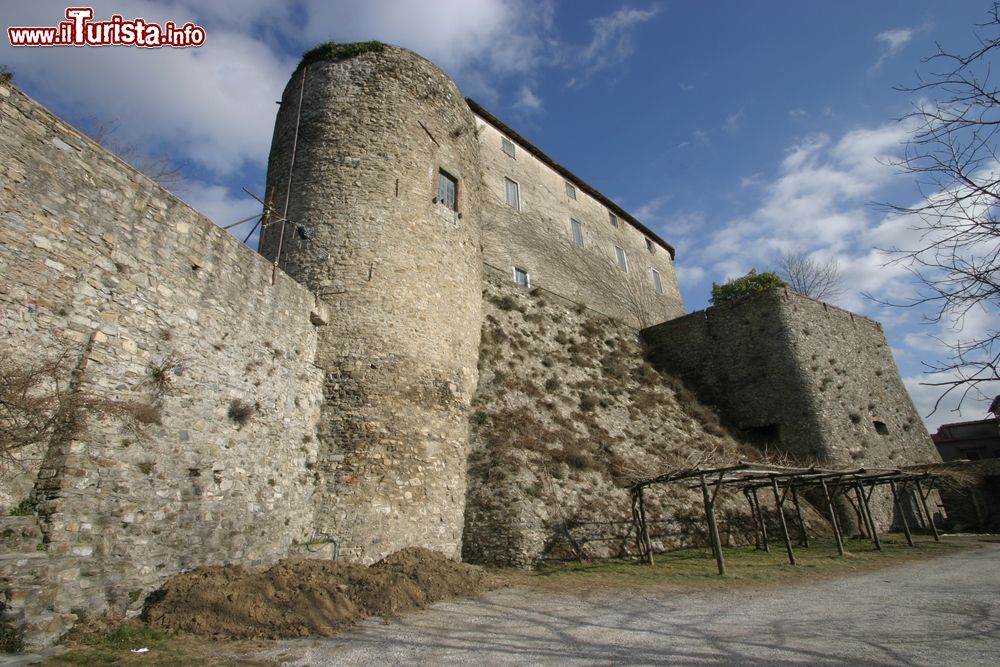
x: 798, y: 113
x: 527, y: 100
x: 733, y: 121
x: 892, y: 42
x: 214, y: 104
x: 612, y: 41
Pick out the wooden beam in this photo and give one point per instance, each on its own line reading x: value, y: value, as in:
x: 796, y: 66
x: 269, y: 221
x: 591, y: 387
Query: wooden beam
x: 645, y: 530
x: 760, y: 519
x: 784, y: 526
x: 833, y: 519
x: 868, y: 515
x: 902, y: 512
x: 927, y: 513
x: 798, y: 514
x: 713, y: 528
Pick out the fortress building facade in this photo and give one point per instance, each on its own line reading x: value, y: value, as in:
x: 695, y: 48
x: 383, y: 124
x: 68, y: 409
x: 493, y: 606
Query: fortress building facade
x: 331, y: 404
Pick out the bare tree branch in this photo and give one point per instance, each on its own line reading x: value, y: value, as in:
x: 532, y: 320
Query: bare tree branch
x: 955, y: 255
x: 810, y: 277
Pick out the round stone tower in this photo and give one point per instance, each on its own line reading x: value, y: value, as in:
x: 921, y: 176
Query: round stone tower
x: 382, y: 179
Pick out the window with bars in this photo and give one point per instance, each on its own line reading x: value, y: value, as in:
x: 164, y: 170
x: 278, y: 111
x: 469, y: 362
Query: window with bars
x: 447, y: 190
x: 650, y: 246
x: 613, y: 219
x: 570, y: 190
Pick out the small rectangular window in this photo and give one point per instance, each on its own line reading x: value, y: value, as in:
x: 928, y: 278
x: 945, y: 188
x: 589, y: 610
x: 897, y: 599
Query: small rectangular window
x: 622, y: 259
x: 570, y: 190
x: 507, y: 146
x: 650, y: 246
x: 513, y: 192
x: 577, y: 229
x: 521, y: 277
x: 613, y: 219
x: 657, y: 282
x: 447, y: 190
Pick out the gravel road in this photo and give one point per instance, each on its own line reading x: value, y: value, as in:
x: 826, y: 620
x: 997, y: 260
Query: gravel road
x: 936, y: 612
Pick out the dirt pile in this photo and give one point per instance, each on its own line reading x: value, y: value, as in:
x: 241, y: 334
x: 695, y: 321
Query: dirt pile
x: 300, y: 598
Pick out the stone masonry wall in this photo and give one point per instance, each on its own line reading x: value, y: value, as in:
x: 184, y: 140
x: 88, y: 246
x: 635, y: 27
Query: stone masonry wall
x: 402, y: 273
x: 538, y: 239
x: 171, y: 313
x: 800, y: 375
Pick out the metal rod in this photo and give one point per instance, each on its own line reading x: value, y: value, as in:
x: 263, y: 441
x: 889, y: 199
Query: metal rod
x: 760, y: 520
x: 291, y: 166
x: 784, y: 525
x: 833, y: 519
x: 713, y: 528
x: 927, y: 513
x: 798, y: 514
x: 868, y: 515
x: 902, y: 513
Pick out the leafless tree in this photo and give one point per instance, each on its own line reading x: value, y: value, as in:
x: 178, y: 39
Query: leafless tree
x: 955, y: 255
x: 43, y: 400
x: 159, y: 168
x: 811, y: 277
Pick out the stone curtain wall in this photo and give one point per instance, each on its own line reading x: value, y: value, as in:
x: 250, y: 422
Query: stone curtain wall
x: 538, y: 238
x: 812, y: 379
x: 182, y: 319
x: 402, y: 273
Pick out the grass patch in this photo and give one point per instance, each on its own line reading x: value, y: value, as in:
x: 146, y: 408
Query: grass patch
x: 692, y: 570
x: 114, y: 646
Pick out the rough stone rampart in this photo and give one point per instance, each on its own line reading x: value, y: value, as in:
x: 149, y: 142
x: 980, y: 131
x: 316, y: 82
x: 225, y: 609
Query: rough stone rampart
x: 401, y: 271
x: 171, y: 314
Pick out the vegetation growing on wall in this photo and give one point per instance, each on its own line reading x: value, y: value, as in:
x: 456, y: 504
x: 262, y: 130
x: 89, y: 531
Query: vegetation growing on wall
x: 334, y: 52
x: 568, y: 414
x: 751, y: 283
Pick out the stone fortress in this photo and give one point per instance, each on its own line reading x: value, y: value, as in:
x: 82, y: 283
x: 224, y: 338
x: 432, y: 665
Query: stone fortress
x: 335, y: 390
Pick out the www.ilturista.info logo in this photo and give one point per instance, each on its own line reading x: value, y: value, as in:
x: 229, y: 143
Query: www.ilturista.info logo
x: 80, y: 30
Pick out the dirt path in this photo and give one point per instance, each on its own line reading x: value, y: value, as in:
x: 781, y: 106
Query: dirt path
x: 937, y: 612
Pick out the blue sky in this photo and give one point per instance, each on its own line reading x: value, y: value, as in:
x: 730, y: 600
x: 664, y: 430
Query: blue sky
x: 737, y: 130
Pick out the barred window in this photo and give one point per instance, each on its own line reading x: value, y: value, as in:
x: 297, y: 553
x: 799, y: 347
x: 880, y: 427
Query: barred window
x: 447, y: 190
x: 577, y: 229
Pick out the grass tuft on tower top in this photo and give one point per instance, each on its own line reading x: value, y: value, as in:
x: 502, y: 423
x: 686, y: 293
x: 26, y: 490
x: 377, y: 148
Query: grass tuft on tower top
x: 334, y: 52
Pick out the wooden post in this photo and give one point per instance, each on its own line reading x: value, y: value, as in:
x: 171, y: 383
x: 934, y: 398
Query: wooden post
x: 833, y: 519
x: 784, y: 526
x: 760, y: 521
x: 863, y: 497
x: 902, y: 513
x: 798, y: 514
x: 713, y: 528
x: 927, y: 513
x: 753, y: 517
x: 858, y: 511
x: 639, y: 545
x: 645, y: 530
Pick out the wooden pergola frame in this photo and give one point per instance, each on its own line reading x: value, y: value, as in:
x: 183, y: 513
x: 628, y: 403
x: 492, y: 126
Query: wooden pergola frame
x: 784, y: 481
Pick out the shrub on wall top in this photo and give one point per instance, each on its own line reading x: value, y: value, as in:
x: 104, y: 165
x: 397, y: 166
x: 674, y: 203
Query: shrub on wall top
x: 751, y: 283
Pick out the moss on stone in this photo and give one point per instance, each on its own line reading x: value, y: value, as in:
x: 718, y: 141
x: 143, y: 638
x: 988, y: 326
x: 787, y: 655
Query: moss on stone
x: 334, y: 52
